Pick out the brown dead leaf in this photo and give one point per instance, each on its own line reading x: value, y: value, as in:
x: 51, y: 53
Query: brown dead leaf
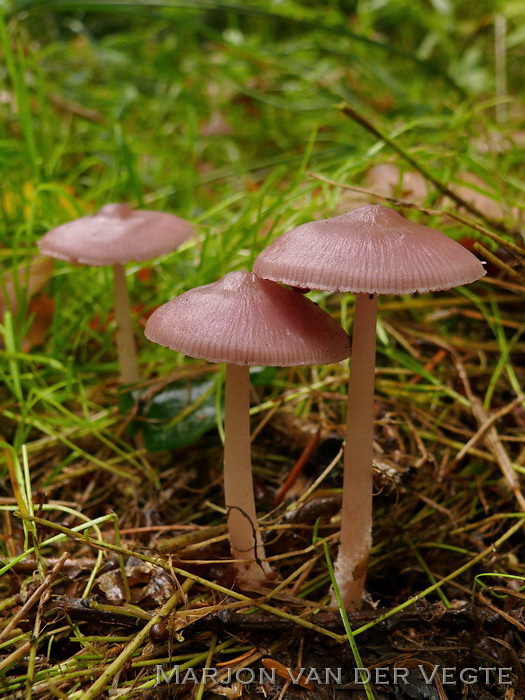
x: 42, y: 309
x: 28, y: 279
x: 145, y: 274
x: 287, y: 674
x: 471, y: 193
x: 386, y: 179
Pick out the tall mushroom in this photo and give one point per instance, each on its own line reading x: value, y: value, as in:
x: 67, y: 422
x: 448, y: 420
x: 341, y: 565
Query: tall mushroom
x: 115, y: 235
x: 242, y: 320
x: 368, y: 251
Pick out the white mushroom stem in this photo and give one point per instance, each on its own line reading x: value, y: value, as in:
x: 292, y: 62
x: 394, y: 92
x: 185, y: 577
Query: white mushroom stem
x: 127, y: 352
x: 245, y: 538
x: 356, y: 516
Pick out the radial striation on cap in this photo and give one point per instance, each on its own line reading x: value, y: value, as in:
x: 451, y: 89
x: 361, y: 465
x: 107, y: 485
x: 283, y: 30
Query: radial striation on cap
x: 244, y: 320
x: 116, y: 234
x: 372, y: 249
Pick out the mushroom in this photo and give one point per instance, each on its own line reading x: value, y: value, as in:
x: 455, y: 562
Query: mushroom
x: 242, y: 320
x: 115, y: 235
x: 368, y: 251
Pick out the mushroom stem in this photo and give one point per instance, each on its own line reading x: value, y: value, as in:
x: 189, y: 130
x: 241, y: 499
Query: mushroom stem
x: 127, y: 352
x: 245, y: 538
x: 356, y: 516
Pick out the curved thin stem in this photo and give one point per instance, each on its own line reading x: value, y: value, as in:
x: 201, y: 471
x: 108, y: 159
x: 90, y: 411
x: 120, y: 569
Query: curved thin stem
x: 356, y: 516
x: 127, y: 352
x: 245, y: 537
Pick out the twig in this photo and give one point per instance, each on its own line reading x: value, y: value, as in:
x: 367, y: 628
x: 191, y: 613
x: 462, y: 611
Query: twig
x: 505, y: 615
x: 70, y: 107
x: 507, y: 269
x: 486, y: 425
x: 88, y: 610
x: 498, y: 450
x: 423, y: 612
x: 492, y: 440
x: 429, y: 366
x: 35, y: 597
x: 28, y: 566
x: 35, y: 640
x: 15, y: 655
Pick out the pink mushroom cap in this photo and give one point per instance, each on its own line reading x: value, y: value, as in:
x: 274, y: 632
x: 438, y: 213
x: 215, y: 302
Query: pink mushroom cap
x: 245, y: 320
x: 372, y: 249
x: 116, y: 234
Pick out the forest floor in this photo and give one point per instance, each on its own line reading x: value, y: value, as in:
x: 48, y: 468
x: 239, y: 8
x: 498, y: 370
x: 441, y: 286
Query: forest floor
x: 115, y: 571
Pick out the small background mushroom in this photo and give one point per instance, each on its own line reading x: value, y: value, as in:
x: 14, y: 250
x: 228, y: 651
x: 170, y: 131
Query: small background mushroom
x: 114, y: 236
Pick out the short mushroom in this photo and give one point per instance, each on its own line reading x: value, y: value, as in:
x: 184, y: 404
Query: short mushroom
x: 242, y: 320
x: 368, y: 251
x: 115, y: 235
